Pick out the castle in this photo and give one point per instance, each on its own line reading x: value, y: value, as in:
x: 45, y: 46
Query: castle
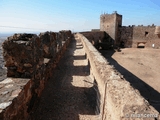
x: 42, y: 62
x: 131, y: 36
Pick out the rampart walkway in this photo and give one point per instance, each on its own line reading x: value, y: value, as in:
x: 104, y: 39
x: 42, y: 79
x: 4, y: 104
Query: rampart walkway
x: 67, y: 80
x: 69, y: 94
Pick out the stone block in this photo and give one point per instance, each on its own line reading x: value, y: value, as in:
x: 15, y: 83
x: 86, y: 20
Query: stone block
x: 21, y: 53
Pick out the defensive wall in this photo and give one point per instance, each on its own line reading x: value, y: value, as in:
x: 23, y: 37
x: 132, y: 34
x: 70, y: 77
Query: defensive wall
x: 95, y: 36
x: 132, y: 36
x: 118, y: 99
x: 30, y: 61
x: 99, y: 39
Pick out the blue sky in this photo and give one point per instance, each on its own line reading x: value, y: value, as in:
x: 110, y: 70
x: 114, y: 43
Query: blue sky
x: 76, y: 15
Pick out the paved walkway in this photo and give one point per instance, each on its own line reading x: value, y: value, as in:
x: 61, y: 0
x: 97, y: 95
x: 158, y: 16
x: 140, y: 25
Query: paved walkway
x: 69, y: 94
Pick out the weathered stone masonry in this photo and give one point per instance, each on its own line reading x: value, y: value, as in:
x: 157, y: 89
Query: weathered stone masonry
x: 110, y: 24
x: 130, y: 35
x: 115, y: 97
x: 99, y: 39
x: 118, y: 99
x: 30, y: 61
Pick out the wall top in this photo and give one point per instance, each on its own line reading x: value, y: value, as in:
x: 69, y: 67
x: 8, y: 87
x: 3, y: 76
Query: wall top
x: 107, y: 14
x: 139, y: 26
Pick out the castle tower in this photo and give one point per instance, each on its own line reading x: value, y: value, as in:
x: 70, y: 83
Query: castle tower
x: 110, y: 24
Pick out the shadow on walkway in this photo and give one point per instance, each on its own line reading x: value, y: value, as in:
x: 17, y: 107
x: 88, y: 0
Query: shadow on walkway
x: 145, y: 90
x: 61, y: 100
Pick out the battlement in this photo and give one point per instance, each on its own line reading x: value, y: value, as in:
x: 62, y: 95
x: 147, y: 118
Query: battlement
x: 108, y: 14
x: 138, y: 26
x: 112, y: 24
x: 30, y: 61
x: 78, y: 77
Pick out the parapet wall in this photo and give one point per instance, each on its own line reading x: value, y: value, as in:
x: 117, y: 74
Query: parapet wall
x: 30, y: 61
x: 118, y: 99
x: 94, y: 36
x: 99, y: 39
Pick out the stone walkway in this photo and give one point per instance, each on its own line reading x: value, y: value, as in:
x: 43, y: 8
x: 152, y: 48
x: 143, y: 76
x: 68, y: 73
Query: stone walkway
x: 69, y: 94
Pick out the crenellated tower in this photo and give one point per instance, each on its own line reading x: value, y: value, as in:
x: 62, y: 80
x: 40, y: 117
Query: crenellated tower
x: 110, y: 24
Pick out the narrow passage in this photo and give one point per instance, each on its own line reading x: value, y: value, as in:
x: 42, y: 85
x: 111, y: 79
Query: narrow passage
x: 69, y: 94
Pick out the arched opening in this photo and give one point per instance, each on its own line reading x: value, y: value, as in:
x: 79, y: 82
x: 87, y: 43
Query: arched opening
x: 140, y: 45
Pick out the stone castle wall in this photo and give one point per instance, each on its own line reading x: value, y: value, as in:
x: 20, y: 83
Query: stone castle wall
x: 99, y: 39
x: 94, y: 36
x: 131, y: 35
x: 117, y: 100
x: 30, y: 61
